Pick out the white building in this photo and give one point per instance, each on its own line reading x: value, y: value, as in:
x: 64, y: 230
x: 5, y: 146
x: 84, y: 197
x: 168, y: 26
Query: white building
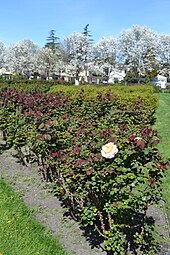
x: 116, y: 75
x: 160, y: 81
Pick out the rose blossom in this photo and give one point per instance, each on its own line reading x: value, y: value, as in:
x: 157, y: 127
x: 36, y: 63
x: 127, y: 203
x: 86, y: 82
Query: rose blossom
x: 109, y: 150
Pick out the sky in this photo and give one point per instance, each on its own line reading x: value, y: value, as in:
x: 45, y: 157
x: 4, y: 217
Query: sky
x: 33, y: 19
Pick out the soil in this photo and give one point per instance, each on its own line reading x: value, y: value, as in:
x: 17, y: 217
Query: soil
x: 49, y: 210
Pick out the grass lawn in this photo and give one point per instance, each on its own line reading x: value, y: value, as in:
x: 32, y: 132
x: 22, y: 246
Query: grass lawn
x: 162, y: 124
x: 20, y: 232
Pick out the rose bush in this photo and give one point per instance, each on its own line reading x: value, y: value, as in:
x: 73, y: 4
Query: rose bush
x: 108, y: 190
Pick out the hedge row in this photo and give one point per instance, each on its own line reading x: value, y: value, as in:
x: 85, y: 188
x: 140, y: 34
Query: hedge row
x: 99, y: 152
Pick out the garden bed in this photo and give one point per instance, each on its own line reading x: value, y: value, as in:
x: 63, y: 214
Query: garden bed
x: 99, y: 153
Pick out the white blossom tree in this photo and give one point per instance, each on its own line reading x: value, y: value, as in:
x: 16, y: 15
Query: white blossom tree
x: 163, y: 55
x: 21, y: 57
x: 46, y: 61
x: 2, y: 55
x: 104, y: 56
x: 137, y: 50
x: 76, y: 49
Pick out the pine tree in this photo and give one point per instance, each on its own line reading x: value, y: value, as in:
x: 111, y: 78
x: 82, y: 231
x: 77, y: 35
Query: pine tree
x: 87, y: 33
x: 52, y: 41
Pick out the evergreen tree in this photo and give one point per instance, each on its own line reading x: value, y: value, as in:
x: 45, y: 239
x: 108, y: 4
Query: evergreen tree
x: 52, y: 41
x: 87, y: 33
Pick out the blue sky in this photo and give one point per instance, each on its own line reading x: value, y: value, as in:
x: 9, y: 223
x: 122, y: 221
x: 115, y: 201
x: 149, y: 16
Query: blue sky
x: 33, y: 19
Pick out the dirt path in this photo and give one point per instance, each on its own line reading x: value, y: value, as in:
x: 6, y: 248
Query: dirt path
x: 48, y: 209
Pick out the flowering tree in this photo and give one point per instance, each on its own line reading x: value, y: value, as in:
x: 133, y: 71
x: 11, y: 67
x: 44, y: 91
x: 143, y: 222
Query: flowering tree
x: 46, y: 61
x: 164, y: 54
x: 2, y: 54
x: 104, y: 56
x: 137, y: 47
x: 21, y: 57
x: 76, y: 49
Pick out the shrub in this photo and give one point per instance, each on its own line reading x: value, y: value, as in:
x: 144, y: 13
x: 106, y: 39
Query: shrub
x: 65, y: 133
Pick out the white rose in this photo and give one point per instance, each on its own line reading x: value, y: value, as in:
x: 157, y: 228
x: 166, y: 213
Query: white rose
x: 109, y: 150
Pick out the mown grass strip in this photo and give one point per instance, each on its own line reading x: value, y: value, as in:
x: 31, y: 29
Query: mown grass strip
x: 162, y: 124
x: 20, y: 232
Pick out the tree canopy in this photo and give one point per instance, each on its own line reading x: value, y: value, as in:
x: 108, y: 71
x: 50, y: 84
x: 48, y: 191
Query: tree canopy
x: 138, y: 50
